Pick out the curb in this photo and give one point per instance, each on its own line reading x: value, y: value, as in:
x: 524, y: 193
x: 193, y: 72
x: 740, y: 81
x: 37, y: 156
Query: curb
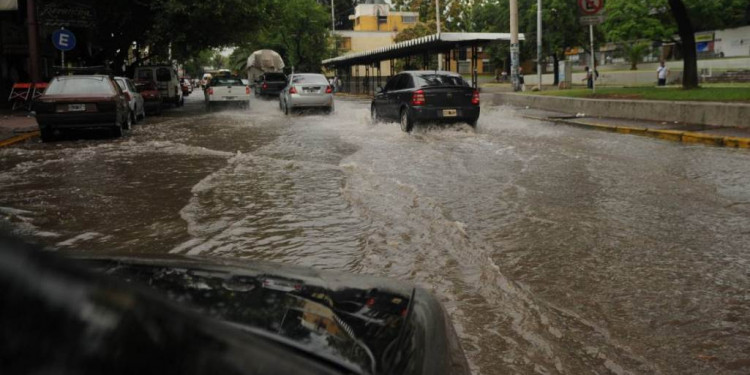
x: 668, y: 135
x: 19, y: 138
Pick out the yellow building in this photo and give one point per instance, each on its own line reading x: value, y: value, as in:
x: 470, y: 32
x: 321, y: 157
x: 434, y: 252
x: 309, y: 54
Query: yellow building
x: 375, y: 26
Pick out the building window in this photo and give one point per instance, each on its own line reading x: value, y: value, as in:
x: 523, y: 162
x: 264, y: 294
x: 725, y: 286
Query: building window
x: 409, y: 19
x: 487, y: 67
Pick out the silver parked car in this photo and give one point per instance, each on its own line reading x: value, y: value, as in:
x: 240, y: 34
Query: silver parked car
x: 306, y: 90
x: 134, y: 98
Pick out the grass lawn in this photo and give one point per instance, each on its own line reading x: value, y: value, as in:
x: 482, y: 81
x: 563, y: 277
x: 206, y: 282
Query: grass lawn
x: 711, y: 93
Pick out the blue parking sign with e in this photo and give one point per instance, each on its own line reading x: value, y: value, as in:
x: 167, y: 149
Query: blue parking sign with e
x: 64, y: 40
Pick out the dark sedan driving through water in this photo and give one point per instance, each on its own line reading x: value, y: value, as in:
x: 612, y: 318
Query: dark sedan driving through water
x: 426, y: 96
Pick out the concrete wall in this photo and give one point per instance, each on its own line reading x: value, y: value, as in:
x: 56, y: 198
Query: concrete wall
x: 718, y: 114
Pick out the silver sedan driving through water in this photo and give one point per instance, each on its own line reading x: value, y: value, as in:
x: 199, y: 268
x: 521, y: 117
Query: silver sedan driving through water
x: 306, y: 90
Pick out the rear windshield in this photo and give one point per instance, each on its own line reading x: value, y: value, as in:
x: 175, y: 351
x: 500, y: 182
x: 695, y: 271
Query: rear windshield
x: 432, y: 80
x: 80, y: 85
x: 142, y: 86
x: 163, y: 75
x: 225, y: 81
x: 145, y: 74
x: 310, y: 78
x: 275, y: 77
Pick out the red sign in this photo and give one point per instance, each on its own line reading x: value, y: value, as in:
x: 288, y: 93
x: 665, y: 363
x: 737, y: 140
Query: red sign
x: 590, y: 7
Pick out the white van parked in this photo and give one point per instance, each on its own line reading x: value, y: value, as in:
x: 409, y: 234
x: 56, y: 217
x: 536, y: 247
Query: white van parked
x: 166, y: 80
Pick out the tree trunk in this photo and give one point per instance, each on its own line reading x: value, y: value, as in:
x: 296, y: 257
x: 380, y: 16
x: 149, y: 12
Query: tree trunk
x: 556, y: 69
x: 687, y: 35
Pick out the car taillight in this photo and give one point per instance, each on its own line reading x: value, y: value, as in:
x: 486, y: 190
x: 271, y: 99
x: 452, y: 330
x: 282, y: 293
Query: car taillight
x: 247, y: 90
x: 292, y: 90
x: 417, y: 98
x: 329, y: 90
x: 210, y: 91
x: 265, y: 86
x: 475, y: 98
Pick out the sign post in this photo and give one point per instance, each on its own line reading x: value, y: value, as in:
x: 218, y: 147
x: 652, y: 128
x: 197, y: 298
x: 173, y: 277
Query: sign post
x: 591, y: 13
x: 64, y: 40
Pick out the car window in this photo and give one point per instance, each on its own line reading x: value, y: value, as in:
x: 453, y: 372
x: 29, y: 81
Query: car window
x: 145, y: 74
x: 391, y: 84
x: 275, y: 77
x: 142, y: 86
x: 80, y: 85
x: 131, y: 87
x: 163, y: 75
x: 122, y: 84
x: 310, y: 78
x: 434, y: 80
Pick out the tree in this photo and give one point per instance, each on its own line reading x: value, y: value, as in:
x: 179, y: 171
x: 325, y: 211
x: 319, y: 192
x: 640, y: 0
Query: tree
x: 635, y: 23
x: 695, y: 15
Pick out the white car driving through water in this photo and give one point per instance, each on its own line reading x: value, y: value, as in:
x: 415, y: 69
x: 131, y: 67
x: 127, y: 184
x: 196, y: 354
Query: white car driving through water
x: 306, y: 90
x: 227, y: 90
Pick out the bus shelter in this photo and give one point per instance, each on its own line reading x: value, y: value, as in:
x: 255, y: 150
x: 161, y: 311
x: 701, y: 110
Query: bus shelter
x: 347, y: 66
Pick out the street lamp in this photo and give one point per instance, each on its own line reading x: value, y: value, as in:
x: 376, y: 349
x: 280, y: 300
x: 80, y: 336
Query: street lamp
x: 539, y: 42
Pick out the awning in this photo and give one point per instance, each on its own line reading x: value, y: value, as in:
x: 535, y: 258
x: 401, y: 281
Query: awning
x: 436, y: 43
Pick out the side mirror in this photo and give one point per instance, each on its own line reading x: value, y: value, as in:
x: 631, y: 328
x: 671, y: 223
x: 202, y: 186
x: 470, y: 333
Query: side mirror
x: 379, y: 90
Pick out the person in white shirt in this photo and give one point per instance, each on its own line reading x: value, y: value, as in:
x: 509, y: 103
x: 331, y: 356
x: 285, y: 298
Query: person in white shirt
x: 662, y: 73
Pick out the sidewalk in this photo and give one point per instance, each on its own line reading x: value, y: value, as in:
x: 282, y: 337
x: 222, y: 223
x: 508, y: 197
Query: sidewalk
x: 16, y: 127
x: 678, y: 132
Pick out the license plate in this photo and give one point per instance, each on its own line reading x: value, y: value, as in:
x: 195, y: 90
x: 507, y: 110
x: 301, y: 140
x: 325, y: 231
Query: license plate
x: 230, y: 97
x: 76, y: 107
x: 450, y: 113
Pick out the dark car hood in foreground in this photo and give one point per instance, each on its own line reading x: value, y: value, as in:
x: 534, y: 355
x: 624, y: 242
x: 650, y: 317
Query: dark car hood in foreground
x: 261, y: 318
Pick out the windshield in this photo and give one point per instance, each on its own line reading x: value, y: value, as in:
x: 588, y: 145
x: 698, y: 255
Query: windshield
x: 226, y: 81
x: 79, y: 86
x: 434, y: 80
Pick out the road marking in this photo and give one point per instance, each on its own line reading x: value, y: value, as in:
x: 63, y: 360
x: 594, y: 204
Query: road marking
x: 18, y: 138
x: 667, y: 135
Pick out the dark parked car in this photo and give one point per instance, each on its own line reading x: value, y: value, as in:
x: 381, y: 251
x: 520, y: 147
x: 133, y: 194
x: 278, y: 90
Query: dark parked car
x: 426, y: 96
x: 191, y: 315
x: 152, y: 99
x: 81, y: 102
x: 270, y: 84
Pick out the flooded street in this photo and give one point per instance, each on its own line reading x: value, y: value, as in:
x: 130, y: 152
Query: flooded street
x: 556, y: 250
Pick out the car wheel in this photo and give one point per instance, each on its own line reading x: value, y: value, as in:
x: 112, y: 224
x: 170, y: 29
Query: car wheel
x: 286, y: 108
x: 329, y: 109
x: 407, y: 124
x: 133, y: 118
x: 47, y: 135
x: 374, y: 114
x: 128, y: 124
x: 117, y: 131
x: 473, y: 123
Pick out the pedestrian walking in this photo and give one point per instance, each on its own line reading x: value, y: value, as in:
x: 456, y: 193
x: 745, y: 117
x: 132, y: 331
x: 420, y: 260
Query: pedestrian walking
x: 521, y: 82
x: 662, y: 72
x: 589, y: 78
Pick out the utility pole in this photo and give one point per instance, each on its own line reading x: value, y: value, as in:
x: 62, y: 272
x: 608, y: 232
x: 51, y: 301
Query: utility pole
x: 437, y: 18
x: 514, y: 44
x: 333, y: 19
x: 539, y: 42
x: 33, y: 30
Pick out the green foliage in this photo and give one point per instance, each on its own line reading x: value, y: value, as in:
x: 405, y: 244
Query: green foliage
x: 712, y: 94
x: 559, y: 17
x: 419, y: 30
x: 631, y: 20
x: 455, y: 15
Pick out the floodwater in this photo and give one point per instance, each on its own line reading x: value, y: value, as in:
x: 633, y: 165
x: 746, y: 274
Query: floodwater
x: 555, y: 250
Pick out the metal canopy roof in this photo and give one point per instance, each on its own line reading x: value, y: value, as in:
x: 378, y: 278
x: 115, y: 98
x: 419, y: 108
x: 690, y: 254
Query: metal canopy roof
x: 432, y: 43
